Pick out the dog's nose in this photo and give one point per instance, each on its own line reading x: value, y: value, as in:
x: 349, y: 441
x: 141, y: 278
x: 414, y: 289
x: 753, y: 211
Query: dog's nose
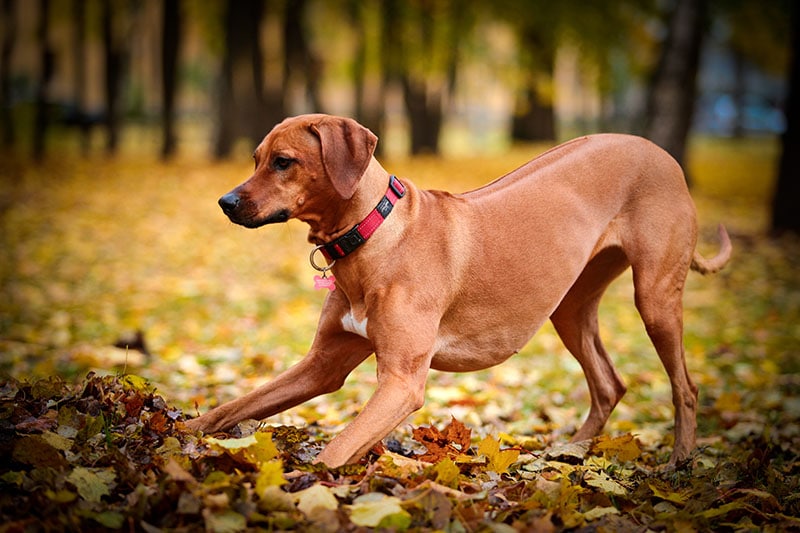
x: 229, y: 202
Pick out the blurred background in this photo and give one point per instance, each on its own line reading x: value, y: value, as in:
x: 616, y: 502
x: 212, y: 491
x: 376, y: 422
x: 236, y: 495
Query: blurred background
x: 123, y: 121
x: 452, y: 77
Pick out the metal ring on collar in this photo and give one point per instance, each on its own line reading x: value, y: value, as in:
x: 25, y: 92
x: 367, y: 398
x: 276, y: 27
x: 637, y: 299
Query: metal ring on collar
x: 315, y: 266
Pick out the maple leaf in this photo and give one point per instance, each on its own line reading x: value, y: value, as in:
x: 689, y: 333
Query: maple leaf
x: 452, y: 441
x: 624, y: 448
x: 499, y: 461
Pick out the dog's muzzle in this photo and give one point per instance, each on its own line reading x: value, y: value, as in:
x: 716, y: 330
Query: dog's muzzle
x: 241, y: 212
x: 229, y: 203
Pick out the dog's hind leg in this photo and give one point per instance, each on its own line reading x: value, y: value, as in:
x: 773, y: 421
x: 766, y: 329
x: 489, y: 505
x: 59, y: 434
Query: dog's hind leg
x: 575, y: 320
x: 659, y: 295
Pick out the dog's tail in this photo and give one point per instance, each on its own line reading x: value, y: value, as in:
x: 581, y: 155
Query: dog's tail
x: 715, y: 264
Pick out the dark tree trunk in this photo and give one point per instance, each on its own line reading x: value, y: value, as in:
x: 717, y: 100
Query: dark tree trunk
x: 369, y: 94
x: 534, y: 114
x: 424, y: 97
x: 534, y: 119
x: 80, y: 115
x: 41, y: 118
x: 672, y: 94
x: 785, y: 211
x: 9, y: 37
x: 424, y: 115
x: 170, y: 46
x: 299, y: 58
x: 113, y: 57
x: 240, y: 108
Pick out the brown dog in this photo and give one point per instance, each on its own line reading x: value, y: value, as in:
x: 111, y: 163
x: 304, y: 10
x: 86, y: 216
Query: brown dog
x: 461, y: 282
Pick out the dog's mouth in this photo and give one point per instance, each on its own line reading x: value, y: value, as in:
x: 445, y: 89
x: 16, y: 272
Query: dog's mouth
x: 282, y: 215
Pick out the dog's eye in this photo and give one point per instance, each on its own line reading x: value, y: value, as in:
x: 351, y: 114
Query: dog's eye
x: 282, y: 163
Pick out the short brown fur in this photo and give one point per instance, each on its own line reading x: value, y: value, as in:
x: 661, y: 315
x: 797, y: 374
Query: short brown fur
x: 461, y: 282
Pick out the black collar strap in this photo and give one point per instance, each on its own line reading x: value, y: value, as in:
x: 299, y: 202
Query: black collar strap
x: 362, y: 231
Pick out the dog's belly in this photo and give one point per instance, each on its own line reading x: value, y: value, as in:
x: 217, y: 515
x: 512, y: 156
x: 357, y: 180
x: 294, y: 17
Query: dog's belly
x: 459, y: 353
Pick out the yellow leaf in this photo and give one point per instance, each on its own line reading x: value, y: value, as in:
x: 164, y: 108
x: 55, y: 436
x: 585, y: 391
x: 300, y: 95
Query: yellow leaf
x: 379, y: 510
x: 264, y: 449
x: 499, y: 461
x: 675, y: 497
x: 447, y: 472
x: 255, y: 449
x: 602, y: 481
x: 315, y: 497
x: 624, y: 448
x: 232, y: 444
x: 92, y: 484
x: 269, y: 474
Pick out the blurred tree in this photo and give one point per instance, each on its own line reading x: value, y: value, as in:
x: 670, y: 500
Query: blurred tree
x: 112, y: 23
x: 420, y: 50
x: 369, y: 90
x: 596, y: 29
x: 758, y: 34
x: 79, y: 111
x: 45, y: 75
x: 299, y: 58
x: 785, y: 213
x: 537, y: 25
x: 673, y: 89
x: 170, y: 45
x: 240, y: 98
x: 7, y: 51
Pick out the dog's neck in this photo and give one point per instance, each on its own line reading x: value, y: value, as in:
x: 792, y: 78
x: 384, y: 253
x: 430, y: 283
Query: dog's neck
x: 338, y: 217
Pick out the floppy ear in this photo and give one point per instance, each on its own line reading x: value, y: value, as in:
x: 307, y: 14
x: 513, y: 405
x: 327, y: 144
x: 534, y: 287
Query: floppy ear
x: 347, y: 148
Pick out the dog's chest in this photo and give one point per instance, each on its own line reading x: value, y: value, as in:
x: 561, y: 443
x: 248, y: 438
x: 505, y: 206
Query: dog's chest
x: 353, y: 325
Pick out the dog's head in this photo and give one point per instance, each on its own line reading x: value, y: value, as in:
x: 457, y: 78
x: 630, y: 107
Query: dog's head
x: 302, y: 166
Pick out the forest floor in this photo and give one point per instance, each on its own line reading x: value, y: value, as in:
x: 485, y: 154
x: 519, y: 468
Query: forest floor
x: 129, y: 302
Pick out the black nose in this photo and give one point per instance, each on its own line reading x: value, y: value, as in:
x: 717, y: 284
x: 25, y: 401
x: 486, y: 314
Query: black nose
x: 229, y: 202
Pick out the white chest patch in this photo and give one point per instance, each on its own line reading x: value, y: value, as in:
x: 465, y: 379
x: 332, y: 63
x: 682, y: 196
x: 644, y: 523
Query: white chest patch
x: 349, y: 323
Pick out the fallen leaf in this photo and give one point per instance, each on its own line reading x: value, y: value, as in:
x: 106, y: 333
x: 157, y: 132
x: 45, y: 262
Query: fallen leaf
x: 92, y: 484
x: 315, y: 497
x: 447, y: 472
x: 499, y: 461
x: 378, y: 510
x: 624, y: 448
x: 453, y: 440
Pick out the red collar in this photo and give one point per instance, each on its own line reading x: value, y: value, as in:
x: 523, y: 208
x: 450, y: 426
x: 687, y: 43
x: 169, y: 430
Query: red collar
x: 362, y: 231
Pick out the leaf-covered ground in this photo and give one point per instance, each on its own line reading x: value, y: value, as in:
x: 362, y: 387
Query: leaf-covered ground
x: 127, y: 269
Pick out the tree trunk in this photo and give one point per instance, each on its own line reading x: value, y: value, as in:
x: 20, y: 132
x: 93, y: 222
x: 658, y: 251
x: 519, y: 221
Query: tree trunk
x: 534, y: 114
x: 113, y: 76
x: 424, y: 114
x: 9, y: 37
x: 299, y: 58
x: 240, y: 105
x: 673, y: 91
x: 80, y: 115
x: 785, y: 212
x: 170, y: 45
x: 41, y: 118
x: 369, y: 94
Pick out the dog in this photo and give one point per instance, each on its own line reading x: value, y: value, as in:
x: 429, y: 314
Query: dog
x: 460, y: 282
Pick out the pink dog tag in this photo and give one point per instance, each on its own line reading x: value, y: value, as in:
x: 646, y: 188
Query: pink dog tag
x: 325, y: 282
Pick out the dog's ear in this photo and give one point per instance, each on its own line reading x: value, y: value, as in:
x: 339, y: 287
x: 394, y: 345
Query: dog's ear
x: 347, y: 148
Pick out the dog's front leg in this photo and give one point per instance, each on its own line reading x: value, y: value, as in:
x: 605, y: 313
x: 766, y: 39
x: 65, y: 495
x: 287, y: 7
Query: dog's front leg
x: 403, y: 357
x: 320, y: 372
x: 333, y: 355
x: 395, y: 399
